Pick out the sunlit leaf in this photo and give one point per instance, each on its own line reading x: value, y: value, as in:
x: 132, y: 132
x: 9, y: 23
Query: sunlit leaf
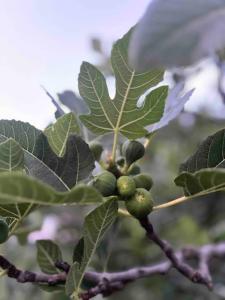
x: 59, y: 133
x: 11, y: 156
x: 121, y: 114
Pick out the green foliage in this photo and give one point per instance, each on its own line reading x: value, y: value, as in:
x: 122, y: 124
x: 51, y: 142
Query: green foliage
x: 11, y: 156
x: 121, y: 114
x: 18, y: 188
x: 95, y: 226
x: 187, y: 231
x: 202, y: 182
x: 78, y: 251
x: 54, y: 167
x: 59, y: 133
x: 4, y: 231
x: 41, y: 162
x: 48, y: 254
x: 210, y: 154
x: 12, y: 159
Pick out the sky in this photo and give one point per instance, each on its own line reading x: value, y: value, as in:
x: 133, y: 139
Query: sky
x: 43, y: 42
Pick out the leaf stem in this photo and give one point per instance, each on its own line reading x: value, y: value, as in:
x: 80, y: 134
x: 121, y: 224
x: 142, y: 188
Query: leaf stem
x: 149, y: 139
x: 115, y: 141
x: 123, y: 212
x: 171, y: 203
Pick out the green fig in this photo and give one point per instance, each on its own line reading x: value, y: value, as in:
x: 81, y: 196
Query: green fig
x: 96, y: 149
x: 132, y: 150
x: 140, y: 204
x: 134, y: 170
x: 105, y: 183
x: 144, y: 181
x: 126, y: 186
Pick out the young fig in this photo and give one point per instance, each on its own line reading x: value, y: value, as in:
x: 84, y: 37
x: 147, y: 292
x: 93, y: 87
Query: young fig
x: 96, y: 149
x: 4, y: 231
x: 144, y: 181
x: 132, y: 150
x: 134, y: 170
x: 126, y: 186
x: 105, y: 183
x: 140, y: 204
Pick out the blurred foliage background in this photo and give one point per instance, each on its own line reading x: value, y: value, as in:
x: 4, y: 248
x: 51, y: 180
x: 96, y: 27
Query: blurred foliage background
x: 197, y: 222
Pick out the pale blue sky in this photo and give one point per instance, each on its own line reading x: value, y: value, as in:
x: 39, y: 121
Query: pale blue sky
x: 45, y: 41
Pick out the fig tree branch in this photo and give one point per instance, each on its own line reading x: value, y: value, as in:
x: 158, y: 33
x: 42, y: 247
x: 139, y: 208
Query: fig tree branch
x: 108, y: 283
x: 201, y: 275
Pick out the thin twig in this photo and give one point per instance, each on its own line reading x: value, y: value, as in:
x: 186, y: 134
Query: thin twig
x: 196, y: 276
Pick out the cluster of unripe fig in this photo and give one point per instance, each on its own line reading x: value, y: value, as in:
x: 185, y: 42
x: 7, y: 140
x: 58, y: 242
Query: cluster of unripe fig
x: 130, y: 186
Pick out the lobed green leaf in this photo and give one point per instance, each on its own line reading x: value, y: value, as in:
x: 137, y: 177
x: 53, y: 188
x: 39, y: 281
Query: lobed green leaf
x: 122, y: 113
